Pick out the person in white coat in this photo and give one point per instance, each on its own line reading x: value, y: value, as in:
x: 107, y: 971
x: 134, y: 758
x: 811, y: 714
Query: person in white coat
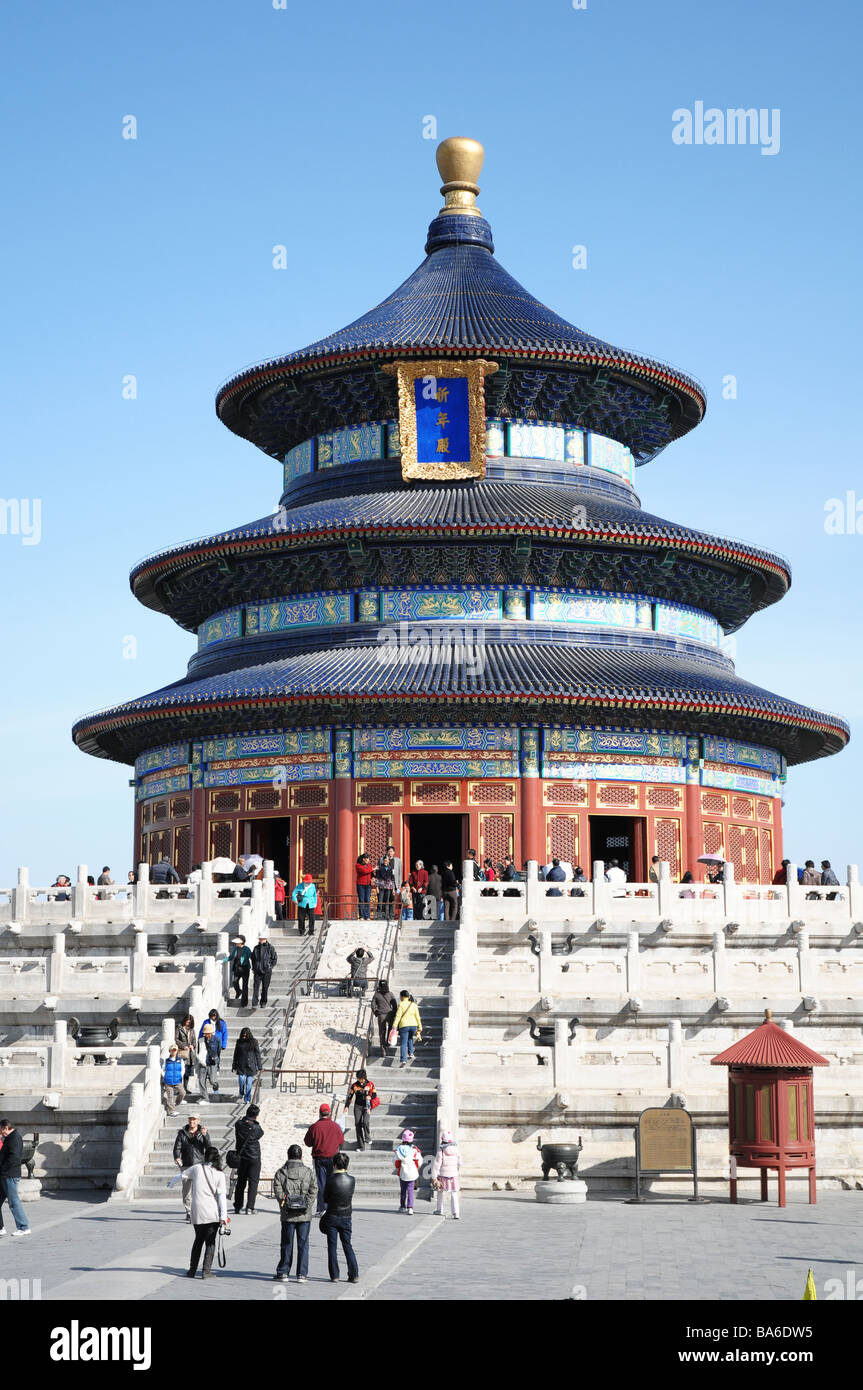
x: 444, y: 1173
x: 209, y: 1199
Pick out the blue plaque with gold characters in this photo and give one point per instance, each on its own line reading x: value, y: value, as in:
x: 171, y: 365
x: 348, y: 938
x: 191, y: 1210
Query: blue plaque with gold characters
x: 442, y: 418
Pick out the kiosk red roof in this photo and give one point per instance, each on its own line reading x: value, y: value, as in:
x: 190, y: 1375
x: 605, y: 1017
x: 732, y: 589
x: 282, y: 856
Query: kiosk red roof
x: 769, y: 1046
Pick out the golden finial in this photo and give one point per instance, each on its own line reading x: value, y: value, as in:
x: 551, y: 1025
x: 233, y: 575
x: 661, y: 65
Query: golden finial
x: 768, y: 1015
x: 459, y: 161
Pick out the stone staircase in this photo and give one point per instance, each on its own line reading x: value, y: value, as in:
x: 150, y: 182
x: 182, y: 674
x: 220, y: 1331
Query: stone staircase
x: 295, y: 955
x: 408, y: 1094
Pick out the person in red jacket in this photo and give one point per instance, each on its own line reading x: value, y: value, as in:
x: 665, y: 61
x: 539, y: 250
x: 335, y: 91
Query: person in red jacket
x: 419, y: 882
x: 365, y: 873
x: 280, y: 889
x: 324, y: 1138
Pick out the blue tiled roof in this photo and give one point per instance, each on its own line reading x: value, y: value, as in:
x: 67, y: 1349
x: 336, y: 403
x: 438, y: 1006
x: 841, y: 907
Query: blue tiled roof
x: 460, y: 301
x: 480, y: 504
x: 582, y: 675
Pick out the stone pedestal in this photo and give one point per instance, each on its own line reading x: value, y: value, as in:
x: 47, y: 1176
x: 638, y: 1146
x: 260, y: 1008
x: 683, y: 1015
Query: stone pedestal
x: 29, y: 1189
x: 570, y: 1190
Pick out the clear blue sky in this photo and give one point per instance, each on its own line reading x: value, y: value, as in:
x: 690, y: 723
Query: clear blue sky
x: 303, y: 126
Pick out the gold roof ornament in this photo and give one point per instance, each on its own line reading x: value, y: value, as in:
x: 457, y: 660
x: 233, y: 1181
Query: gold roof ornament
x: 459, y: 161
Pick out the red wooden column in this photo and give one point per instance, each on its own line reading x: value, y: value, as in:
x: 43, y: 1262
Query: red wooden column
x: 343, y: 880
x: 530, y: 791
x: 199, y: 825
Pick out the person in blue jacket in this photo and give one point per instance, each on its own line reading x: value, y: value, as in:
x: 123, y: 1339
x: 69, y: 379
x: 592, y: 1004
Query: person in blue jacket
x: 220, y: 1027
x: 305, y: 895
x: 173, y: 1089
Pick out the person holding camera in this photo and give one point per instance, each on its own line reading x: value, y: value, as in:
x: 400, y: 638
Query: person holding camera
x: 209, y: 1210
x: 295, y: 1188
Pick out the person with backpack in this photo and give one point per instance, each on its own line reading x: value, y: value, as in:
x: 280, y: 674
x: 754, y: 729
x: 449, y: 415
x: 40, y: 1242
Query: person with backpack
x: 247, y: 1137
x: 295, y: 1188
x: 209, y: 1204
x: 407, y: 1164
x: 305, y: 895
x: 264, y: 961
x: 247, y: 1062
x: 209, y: 1057
x: 444, y: 1173
x: 363, y: 1097
x: 408, y: 1025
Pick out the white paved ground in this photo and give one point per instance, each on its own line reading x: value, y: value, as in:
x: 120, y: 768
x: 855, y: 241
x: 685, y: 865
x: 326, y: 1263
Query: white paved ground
x: 505, y: 1246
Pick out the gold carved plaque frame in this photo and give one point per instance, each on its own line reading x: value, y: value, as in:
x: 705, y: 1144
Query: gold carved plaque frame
x: 406, y: 373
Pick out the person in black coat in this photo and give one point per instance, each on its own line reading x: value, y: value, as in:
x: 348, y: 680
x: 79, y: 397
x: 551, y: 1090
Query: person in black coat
x: 264, y: 959
x: 384, y: 1006
x: 10, y: 1174
x: 248, y: 1142
x: 247, y: 1062
x: 337, y: 1221
x: 190, y: 1146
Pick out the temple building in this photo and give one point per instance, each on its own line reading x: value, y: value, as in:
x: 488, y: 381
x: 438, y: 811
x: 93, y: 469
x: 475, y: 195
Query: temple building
x: 459, y: 627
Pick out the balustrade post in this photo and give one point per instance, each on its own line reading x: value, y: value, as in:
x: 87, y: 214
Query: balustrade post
x: 205, y: 892
x: 269, y: 886
x: 855, y: 894
x: 730, y: 892
x: 532, y: 903
x: 56, y: 964
x: 57, y: 1056
x: 720, y: 963
x: 676, y: 1062
x: 469, y: 887
x: 560, y: 1062
x: 139, y: 963
x: 804, y: 962
x: 168, y: 1029
x: 602, y: 900
x: 665, y: 897
x: 223, y: 948
x: 545, y: 977
x: 633, y: 963
x: 21, y: 897
x: 81, y: 892
x: 142, y: 892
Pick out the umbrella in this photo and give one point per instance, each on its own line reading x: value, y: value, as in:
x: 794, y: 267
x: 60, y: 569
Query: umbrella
x: 255, y: 861
x: 223, y: 865
x: 710, y: 859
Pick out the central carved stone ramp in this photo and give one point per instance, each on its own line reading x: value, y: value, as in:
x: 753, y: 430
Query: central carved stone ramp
x: 423, y: 965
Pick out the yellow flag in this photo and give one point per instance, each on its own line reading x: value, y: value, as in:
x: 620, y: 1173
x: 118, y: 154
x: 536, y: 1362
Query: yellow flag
x: 809, y: 1293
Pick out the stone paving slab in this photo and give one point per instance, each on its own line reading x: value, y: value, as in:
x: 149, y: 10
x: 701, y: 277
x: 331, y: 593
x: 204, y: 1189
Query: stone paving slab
x: 505, y: 1246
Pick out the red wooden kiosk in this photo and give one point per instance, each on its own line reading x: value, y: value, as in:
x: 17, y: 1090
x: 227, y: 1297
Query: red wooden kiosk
x: 771, y: 1117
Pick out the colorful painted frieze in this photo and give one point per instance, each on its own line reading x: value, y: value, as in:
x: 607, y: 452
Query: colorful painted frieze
x: 169, y: 755
x: 368, y: 606
x: 307, y: 610
x: 280, y: 773
x: 530, y: 439
x: 730, y: 750
x: 438, y: 767
x: 421, y: 605
x: 358, y: 443
x: 515, y: 604
x: 394, y: 447
x: 325, y: 450
x: 676, y: 620
x: 610, y: 456
x: 495, y: 438
x: 627, y: 771
x: 163, y: 786
x: 572, y: 606
x: 469, y: 740
x: 222, y: 627
x: 299, y: 460
x: 740, y: 782
x: 626, y: 741
x: 291, y: 741
x: 574, y: 448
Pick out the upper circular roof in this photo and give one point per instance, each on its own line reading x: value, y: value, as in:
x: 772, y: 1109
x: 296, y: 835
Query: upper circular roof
x: 460, y: 301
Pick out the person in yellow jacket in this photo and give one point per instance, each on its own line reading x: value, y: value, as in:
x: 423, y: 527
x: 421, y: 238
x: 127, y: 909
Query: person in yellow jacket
x: 408, y: 1025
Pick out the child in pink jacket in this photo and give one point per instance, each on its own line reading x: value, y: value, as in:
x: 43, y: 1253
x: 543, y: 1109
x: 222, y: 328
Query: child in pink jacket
x: 447, y: 1162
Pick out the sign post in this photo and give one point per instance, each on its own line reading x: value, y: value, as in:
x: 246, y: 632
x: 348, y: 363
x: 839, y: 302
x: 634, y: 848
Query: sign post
x: 665, y: 1143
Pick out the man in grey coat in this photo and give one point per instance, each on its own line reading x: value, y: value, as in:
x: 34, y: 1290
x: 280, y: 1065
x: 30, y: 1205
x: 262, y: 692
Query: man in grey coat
x: 359, y: 961
x: 295, y: 1188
